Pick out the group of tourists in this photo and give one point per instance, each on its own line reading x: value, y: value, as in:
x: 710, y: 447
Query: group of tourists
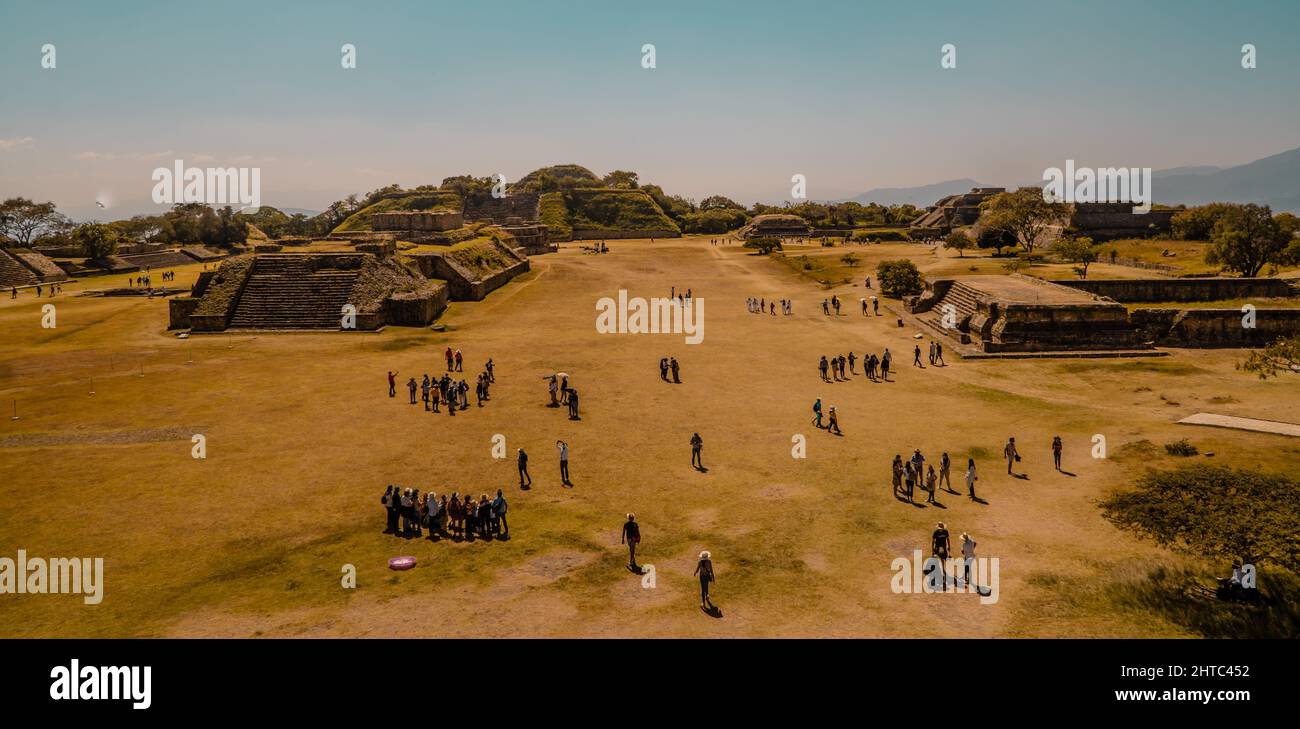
x: 838, y: 368
x: 631, y: 536
x: 936, y: 355
x: 941, y: 549
x: 447, y: 391
x: 874, y: 304
x: 914, y: 473
x: 761, y: 306
x: 832, y: 303
x: 146, y: 281
x: 562, y: 393
x: 832, y: 424
x: 53, y: 288
x: 669, y: 364
x: 410, y: 513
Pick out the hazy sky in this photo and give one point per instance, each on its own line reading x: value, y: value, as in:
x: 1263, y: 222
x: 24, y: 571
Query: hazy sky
x: 745, y: 94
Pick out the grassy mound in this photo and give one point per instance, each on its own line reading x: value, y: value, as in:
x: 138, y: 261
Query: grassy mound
x: 555, y: 214
x: 431, y: 201
x: 482, y: 256
x: 612, y: 210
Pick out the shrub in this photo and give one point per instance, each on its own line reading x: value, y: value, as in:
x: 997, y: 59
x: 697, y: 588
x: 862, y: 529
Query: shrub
x: 898, y: 278
x: 1181, y: 447
x: 765, y: 245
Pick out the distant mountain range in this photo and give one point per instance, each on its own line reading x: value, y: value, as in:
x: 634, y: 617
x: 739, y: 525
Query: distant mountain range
x: 1272, y: 181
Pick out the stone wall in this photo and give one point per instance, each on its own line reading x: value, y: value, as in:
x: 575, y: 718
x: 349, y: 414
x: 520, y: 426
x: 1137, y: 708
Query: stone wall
x: 484, y: 207
x: 179, y: 310
x: 1215, y: 327
x: 463, y: 283
x: 1184, y: 289
x: 421, y: 221
x: 417, y: 308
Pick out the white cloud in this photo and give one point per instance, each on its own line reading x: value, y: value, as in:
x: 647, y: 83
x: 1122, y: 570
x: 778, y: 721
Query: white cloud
x: 15, y: 143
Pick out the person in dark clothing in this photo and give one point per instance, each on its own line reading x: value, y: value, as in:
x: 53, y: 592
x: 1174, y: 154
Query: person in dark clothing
x: 631, y: 537
x: 697, y: 446
x: 676, y: 370
x: 573, y: 404
x: 499, y: 508
x: 663, y: 369
x: 704, y: 570
x: 939, y: 548
x: 392, y: 384
x: 389, y: 500
x: 524, y: 479
x: 412, y: 386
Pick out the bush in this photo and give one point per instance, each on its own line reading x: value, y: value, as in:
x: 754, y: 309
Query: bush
x: 765, y: 245
x: 1181, y: 448
x: 898, y: 278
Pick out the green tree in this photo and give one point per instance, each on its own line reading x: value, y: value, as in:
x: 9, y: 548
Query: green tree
x: 995, y: 238
x: 764, y: 246
x: 1216, y: 512
x: 22, y: 220
x: 720, y: 202
x: 898, y: 278
x: 1245, y: 239
x: 97, y: 241
x: 1283, y: 355
x: 1024, y: 213
x: 1197, y: 223
x: 958, y: 241
x: 1078, y: 251
x: 621, y: 179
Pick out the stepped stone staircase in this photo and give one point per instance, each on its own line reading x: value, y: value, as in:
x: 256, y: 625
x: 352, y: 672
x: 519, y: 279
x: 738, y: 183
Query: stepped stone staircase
x: 13, y: 273
x: 289, y: 291
x: 965, y: 302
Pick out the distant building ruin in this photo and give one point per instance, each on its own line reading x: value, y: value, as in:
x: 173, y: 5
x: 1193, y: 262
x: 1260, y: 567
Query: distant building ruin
x: 775, y: 225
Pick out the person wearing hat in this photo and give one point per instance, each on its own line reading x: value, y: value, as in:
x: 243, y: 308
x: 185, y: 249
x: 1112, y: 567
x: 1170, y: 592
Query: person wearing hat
x: 939, y: 548
x: 704, y: 570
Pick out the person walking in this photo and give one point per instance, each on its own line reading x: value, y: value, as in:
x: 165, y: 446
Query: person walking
x: 884, y: 365
x: 697, y: 446
x: 896, y: 474
x: 938, y: 355
x: 833, y: 425
x: 573, y: 404
x: 967, y: 557
x: 971, y: 477
x: 817, y: 412
x: 676, y: 368
x: 704, y: 570
x: 931, y: 485
x: 916, y: 357
x: 1056, y: 451
x: 564, y: 462
x: 945, y: 464
x: 1010, y: 453
x: 631, y: 537
x: 939, y: 548
x: 525, y: 480
x: 392, y: 383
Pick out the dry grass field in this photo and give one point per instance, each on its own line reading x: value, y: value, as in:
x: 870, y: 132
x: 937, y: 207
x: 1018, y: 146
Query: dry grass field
x: 302, y: 439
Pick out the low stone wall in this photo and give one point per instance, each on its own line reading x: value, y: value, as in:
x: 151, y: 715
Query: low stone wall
x: 1049, y: 327
x: 590, y: 234
x: 179, y: 310
x: 44, y: 268
x: 426, y: 221
x: 222, y: 294
x: 1214, y: 327
x: 1183, y: 289
x: 416, y: 308
x: 461, y: 281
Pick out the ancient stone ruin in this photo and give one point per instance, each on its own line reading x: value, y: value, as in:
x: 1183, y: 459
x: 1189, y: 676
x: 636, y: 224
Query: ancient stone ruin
x: 953, y: 211
x: 24, y: 267
x: 1022, y: 314
x: 308, y: 291
x: 419, y: 221
x: 474, y: 270
x: 775, y: 225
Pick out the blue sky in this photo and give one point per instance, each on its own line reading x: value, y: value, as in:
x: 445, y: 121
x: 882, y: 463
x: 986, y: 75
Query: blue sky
x: 744, y: 95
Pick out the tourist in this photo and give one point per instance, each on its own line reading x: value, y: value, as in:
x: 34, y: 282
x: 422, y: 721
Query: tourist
x: 704, y: 570
x: 884, y: 365
x: 392, y: 383
x: 459, y: 362
x: 13, y: 293
x: 1010, y: 453
x: 525, y: 480
x: 424, y: 391
x: 967, y: 557
x: 826, y: 307
x: 553, y: 387
x: 450, y: 359
x: 916, y: 357
x: 833, y: 425
x: 853, y: 358
x: 875, y: 305
x: 918, y: 464
x: 676, y: 368
x: 697, y: 448
x: 931, y: 354
x: 938, y: 355
x: 896, y: 476
x: 823, y: 366
x: 631, y: 537
x: 499, y: 506
x: 488, y: 525
x: 864, y: 306
x: 663, y: 369
x: 564, y: 461
x: 573, y: 404
x: 564, y: 389
x: 817, y: 412
x: 456, y: 514
x: 931, y: 484
x: 971, y: 477
x: 843, y: 371
x: 939, y: 548
x: 1056, y: 451
x: 491, y: 370
x: 835, y: 302
x: 433, y: 515
x: 405, y: 508
x: 945, y: 464
x: 412, y: 387
x: 389, y: 500
x: 471, y: 518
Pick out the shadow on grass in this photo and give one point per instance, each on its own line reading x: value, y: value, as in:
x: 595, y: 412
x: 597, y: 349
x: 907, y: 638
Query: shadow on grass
x: 1186, y: 598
